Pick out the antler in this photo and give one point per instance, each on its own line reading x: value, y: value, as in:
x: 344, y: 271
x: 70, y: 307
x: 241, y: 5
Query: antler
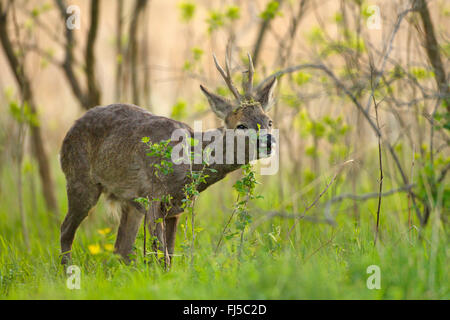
x: 227, y: 76
x: 248, y: 86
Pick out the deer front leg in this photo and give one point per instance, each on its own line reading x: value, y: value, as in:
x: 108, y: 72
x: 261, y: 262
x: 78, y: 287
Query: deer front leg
x: 157, y: 227
x: 159, y: 234
x: 171, y: 232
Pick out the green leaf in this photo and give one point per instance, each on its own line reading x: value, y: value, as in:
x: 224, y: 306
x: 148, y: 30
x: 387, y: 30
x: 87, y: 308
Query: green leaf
x: 271, y: 10
x: 197, y: 53
x: 214, y: 21
x: 302, y: 78
x: 233, y: 12
x: 179, y: 109
x: 187, y: 11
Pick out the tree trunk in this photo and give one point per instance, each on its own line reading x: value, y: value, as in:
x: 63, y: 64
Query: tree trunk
x: 133, y: 48
x: 261, y: 33
x: 27, y: 97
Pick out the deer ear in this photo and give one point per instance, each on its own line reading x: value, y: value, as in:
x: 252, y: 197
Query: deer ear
x: 220, y: 105
x: 264, y: 95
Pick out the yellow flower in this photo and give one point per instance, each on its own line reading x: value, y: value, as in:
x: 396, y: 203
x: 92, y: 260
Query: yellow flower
x: 94, y: 248
x: 104, y: 231
x: 109, y: 247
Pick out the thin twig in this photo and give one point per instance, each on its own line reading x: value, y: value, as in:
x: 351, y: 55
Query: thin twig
x: 321, y: 247
x: 267, y: 215
x: 388, y: 51
x: 412, y: 179
x: 226, y: 226
x: 371, y: 195
x: 380, y: 191
x: 318, y: 197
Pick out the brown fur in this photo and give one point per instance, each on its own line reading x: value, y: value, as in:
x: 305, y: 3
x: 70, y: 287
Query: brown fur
x: 251, y: 116
x: 103, y: 153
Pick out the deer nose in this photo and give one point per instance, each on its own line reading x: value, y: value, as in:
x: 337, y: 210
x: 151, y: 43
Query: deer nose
x: 267, y: 143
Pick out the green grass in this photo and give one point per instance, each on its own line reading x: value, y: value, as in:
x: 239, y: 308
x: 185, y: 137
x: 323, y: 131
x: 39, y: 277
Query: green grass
x: 319, y: 261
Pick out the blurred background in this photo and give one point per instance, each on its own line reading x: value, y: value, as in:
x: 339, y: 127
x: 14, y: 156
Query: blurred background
x: 352, y: 74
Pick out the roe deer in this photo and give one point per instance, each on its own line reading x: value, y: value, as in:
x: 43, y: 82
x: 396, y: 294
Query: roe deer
x: 103, y: 153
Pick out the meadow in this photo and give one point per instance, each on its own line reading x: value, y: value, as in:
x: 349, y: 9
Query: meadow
x: 359, y: 207
x: 318, y: 260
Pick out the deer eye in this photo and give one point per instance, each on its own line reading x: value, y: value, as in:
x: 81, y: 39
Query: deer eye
x: 270, y: 123
x: 241, y: 127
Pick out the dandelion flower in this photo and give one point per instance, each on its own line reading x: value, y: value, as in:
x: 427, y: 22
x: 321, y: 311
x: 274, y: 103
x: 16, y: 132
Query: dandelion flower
x: 104, y: 231
x: 94, y: 248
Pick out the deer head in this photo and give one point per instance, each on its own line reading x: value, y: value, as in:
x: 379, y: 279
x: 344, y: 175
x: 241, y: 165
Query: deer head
x: 248, y: 110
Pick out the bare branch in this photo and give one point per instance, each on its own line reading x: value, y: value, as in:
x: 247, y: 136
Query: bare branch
x: 319, y: 196
x: 386, y: 55
x: 91, y: 97
x: 286, y: 215
x: 379, y: 160
x: 367, y: 196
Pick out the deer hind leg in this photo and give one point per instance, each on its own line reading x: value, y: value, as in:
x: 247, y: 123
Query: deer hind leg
x: 129, y: 226
x: 81, y: 197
